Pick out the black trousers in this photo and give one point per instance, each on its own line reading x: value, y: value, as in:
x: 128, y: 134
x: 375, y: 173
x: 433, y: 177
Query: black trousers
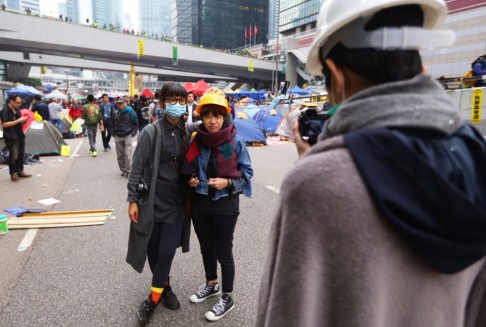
x: 215, y: 235
x: 161, y: 250
x: 106, y: 133
x: 16, y: 149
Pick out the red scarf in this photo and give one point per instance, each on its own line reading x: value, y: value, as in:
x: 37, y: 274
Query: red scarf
x: 223, y: 145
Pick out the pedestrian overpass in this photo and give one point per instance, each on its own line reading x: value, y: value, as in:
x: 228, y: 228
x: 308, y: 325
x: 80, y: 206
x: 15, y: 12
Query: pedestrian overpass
x: 28, y: 40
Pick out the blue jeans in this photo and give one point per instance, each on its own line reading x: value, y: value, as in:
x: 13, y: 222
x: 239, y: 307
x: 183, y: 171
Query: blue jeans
x: 57, y: 123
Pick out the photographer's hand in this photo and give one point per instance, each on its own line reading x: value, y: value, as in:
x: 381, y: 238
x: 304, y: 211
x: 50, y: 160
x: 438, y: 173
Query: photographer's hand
x: 301, y: 145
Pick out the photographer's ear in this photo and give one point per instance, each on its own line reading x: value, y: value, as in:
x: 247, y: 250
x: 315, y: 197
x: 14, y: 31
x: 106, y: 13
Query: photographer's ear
x: 337, y: 82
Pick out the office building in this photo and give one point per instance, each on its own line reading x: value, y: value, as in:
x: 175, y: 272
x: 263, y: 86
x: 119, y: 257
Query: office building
x: 467, y: 18
x: 22, y: 5
x: 221, y: 24
x: 297, y: 16
x: 273, y: 13
x: 72, y: 10
x: 155, y: 17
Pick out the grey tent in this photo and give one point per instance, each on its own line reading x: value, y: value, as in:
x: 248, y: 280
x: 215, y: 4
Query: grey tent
x: 43, y: 138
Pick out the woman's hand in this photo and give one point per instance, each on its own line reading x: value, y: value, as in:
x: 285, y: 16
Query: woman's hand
x: 218, y: 183
x: 133, y: 212
x: 193, y: 182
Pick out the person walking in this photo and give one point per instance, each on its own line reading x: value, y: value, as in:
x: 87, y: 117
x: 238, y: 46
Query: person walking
x: 76, y: 112
x: 142, y: 110
x: 92, y: 118
x: 383, y: 221
x: 222, y: 170
x: 55, y: 110
x: 125, y: 127
x: 107, y: 111
x: 156, y: 194
x: 12, y: 121
x: 40, y: 107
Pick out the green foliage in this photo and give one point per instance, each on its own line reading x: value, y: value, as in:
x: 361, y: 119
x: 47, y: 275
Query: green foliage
x: 34, y: 82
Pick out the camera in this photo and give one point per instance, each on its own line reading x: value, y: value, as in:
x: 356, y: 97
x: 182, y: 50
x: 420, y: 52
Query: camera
x: 311, y: 123
x: 142, y: 188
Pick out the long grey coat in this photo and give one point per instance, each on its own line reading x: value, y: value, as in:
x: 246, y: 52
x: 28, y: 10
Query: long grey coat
x: 333, y: 260
x: 146, y: 163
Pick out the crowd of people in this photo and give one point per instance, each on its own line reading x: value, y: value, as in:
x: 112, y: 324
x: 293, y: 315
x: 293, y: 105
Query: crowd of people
x: 380, y: 223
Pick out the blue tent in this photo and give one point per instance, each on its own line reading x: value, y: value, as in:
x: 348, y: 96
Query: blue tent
x: 248, y: 130
x: 255, y: 95
x: 267, y: 119
x: 297, y: 90
x: 251, y: 110
x: 18, y: 91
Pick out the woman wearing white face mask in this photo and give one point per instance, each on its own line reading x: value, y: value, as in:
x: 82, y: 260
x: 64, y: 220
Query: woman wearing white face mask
x: 156, y: 196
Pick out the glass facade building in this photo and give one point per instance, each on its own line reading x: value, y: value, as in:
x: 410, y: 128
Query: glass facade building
x: 155, y: 17
x: 72, y: 10
x: 181, y: 18
x: 21, y: 5
x: 297, y: 15
x: 221, y: 24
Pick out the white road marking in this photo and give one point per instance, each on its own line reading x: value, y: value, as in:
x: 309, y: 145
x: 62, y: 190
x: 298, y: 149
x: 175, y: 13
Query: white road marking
x: 75, y: 154
x: 271, y: 188
x: 27, y: 241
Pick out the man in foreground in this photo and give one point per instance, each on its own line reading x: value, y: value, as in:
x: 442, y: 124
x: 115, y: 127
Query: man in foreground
x: 12, y: 121
x: 390, y: 226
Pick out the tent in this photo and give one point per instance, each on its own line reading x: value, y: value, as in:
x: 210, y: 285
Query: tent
x: 56, y: 94
x: 188, y: 86
x: 43, y: 138
x: 297, y: 90
x: 23, y: 90
x: 147, y: 93
x: 268, y: 119
x: 200, y: 87
x: 284, y: 128
x: 251, y: 110
x: 255, y: 95
x: 248, y: 130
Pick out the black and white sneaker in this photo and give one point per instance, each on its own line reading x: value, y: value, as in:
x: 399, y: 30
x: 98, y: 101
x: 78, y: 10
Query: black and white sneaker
x: 204, y: 292
x: 220, y: 309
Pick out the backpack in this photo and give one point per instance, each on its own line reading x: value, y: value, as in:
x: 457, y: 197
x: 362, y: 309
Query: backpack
x: 144, y: 112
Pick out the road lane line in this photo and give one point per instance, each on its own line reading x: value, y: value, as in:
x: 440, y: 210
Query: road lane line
x: 27, y: 241
x: 271, y: 188
x: 75, y: 154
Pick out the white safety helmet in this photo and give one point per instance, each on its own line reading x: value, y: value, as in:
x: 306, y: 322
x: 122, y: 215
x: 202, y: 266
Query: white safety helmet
x: 344, y: 21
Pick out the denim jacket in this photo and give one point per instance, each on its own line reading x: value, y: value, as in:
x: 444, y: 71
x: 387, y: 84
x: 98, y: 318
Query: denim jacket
x: 241, y: 185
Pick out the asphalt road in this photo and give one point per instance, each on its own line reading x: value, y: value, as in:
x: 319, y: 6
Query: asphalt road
x: 78, y: 276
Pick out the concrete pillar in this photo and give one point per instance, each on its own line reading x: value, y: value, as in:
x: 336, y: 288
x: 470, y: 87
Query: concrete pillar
x: 17, y: 71
x: 291, y: 73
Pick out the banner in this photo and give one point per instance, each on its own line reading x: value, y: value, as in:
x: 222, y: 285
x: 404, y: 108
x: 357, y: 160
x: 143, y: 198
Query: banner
x: 141, y: 48
x: 131, y: 81
x: 251, y: 66
x: 477, y: 98
x: 174, y: 56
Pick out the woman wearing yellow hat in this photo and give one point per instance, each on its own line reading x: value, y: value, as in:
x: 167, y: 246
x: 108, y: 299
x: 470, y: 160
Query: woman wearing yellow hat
x: 221, y: 170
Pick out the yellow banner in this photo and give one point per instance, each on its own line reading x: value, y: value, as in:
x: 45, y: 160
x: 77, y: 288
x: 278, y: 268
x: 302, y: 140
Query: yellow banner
x: 141, y: 47
x: 131, y: 81
x: 251, y: 66
x: 477, y: 99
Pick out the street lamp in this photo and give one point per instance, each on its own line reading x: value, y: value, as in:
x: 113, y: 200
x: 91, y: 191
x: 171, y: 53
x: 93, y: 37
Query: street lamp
x: 277, y: 50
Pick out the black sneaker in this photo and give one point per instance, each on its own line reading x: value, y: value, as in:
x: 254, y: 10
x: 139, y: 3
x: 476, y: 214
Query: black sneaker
x: 169, y: 299
x: 220, y: 309
x: 204, y: 292
x: 146, y: 310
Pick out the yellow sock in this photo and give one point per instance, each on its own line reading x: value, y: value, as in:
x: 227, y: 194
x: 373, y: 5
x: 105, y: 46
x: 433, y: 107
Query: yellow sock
x: 156, y: 293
